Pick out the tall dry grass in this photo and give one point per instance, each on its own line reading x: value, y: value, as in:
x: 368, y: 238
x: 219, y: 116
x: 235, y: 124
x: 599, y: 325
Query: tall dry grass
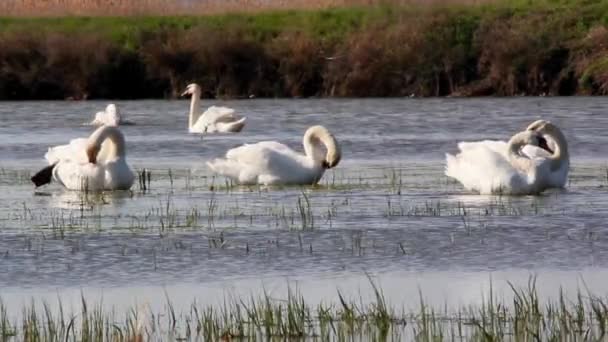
x: 54, y: 8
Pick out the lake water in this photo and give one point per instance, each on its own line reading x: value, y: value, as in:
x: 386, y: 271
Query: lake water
x: 386, y: 211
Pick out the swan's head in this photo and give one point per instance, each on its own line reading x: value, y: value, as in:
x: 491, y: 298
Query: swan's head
x: 548, y: 129
x: 319, y: 134
x: 92, y: 152
x: 530, y: 138
x: 333, y: 155
x: 192, y: 89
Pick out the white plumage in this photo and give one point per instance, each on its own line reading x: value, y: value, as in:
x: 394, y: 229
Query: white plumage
x: 110, y: 117
x: 496, y: 167
x: 271, y: 163
x: 94, y: 163
x: 214, y: 119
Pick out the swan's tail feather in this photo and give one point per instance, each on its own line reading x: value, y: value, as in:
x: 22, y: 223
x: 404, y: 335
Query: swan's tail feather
x: 450, y: 163
x: 43, y: 176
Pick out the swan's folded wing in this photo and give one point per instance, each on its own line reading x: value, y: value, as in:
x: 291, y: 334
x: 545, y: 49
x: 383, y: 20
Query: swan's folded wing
x: 231, y: 126
x: 218, y: 114
x: 251, y: 160
x: 481, y: 169
x: 257, y: 155
x: 77, y: 176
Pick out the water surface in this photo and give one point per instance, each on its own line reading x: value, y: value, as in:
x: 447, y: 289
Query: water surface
x: 387, y: 210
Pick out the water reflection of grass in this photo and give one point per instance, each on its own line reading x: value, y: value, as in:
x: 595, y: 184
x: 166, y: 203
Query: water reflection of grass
x: 524, y: 318
x: 291, y: 208
x: 167, y: 201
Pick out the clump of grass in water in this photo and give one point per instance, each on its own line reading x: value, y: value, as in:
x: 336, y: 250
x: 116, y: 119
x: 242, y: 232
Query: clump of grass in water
x: 144, y: 178
x: 305, y: 211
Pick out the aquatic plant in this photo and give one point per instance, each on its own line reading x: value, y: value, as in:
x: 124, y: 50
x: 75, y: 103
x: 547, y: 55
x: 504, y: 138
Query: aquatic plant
x: 525, y: 317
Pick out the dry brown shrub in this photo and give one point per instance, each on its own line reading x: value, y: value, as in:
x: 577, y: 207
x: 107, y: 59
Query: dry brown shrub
x: 74, y: 60
x: 591, y: 61
x: 51, y: 66
x: 224, y: 63
x: 301, y: 61
x: 171, y: 56
x: 521, y: 55
x: 377, y: 61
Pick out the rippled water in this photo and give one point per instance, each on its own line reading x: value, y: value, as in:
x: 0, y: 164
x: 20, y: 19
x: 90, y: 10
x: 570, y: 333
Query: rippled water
x: 387, y: 209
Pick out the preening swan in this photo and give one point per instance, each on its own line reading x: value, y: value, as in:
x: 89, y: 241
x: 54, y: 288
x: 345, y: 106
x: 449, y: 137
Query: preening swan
x: 94, y: 163
x: 557, y: 154
x: 487, y: 168
x: 214, y: 119
x: 110, y: 117
x: 272, y: 163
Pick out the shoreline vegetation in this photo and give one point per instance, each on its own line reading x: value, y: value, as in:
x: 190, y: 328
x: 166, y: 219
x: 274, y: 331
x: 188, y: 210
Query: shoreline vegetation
x: 524, y: 318
x: 332, y: 49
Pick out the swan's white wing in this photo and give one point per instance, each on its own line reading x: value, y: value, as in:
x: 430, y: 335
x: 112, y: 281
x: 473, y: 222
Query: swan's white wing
x: 267, y: 162
x: 498, y: 146
x: 78, y: 176
x: 485, y: 169
x: 218, y: 119
x: 74, y: 151
x: 232, y: 126
x: 215, y: 114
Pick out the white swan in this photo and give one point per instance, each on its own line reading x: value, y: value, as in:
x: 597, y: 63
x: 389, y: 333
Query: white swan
x: 557, y: 154
x: 272, y: 163
x: 110, y: 117
x: 556, y: 151
x: 94, y: 163
x: 214, y: 119
x: 487, y: 168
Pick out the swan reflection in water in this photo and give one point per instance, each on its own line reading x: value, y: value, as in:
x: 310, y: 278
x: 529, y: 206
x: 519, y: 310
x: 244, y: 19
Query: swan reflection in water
x: 87, y: 201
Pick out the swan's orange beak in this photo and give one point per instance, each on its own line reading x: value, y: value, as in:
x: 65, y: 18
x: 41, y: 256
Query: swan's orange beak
x: 542, y: 143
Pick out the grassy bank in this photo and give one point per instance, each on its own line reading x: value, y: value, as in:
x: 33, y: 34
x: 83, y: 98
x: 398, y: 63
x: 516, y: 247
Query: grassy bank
x: 526, y: 318
x: 495, y: 48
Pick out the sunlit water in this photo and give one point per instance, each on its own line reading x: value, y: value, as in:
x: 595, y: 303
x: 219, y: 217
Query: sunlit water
x: 387, y: 210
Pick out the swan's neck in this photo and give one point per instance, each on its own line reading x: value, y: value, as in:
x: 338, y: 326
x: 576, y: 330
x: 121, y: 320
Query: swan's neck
x: 516, y: 158
x: 317, y: 137
x: 195, y: 112
x: 560, y: 155
x: 112, y: 140
x: 312, y: 149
